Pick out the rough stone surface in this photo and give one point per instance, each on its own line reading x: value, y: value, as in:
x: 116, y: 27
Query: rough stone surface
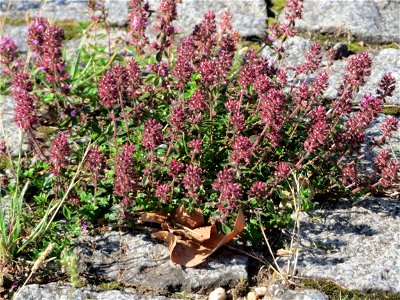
x: 249, y: 16
x: 62, y: 292
x: 299, y: 295
x: 11, y: 131
x: 374, y: 132
x: 383, y: 61
x: 140, y: 261
x: 369, y: 20
x: 356, y: 245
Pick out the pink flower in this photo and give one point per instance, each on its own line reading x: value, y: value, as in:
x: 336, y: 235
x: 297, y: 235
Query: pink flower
x: 59, y: 153
x: 24, y: 112
x: 138, y: 20
x: 125, y: 175
x: 258, y: 190
x: 349, y: 174
x: 389, y: 174
x: 163, y: 192
x: 152, y: 134
x: 112, y: 86
x: 95, y: 159
x: 196, y: 146
x: 175, y: 168
x: 386, y: 86
x: 45, y: 41
x: 282, y: 170
x: 242, y: 151
x: 8, y: 50
x: 197, y: 102
x: 193, y: 178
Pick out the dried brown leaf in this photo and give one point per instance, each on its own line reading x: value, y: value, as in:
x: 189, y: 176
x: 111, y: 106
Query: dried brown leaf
x: 153, y: 218
x: 193, y: 220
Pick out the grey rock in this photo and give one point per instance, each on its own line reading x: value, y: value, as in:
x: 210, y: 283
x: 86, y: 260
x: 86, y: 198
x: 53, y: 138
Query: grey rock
x: 383, y: 61
x: 369, y: 20
x: 8, y: 130
x: 62, y: 292
x: 356, y: 245
x: 374, y: 131
x: 18, y: 34
x: 300, y: 295
x: 140, y: 261
x: 249, y: 16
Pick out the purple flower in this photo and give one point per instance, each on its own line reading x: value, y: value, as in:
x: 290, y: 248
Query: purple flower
x: 230, y: 192
x: 197, y: 101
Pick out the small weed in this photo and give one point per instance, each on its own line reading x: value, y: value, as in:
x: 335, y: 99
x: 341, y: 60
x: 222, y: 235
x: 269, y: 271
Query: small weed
x: 336, y: 292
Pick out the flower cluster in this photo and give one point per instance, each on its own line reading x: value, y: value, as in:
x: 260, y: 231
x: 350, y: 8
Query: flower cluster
x: 242, y: 151
x: 163, y: 192
x: 192, y: 180
x: 119, y: 84
x: 24, y: 113
x: 152, y: 134
x: 319, y: 130
x: 97, y: 10
x: 230, y: 192
x: 386, y: 86
x: 59, y: 154
x: 8, y: 52
x: 95, y: 160
x: 175, y: 168
x: 45, y: 41
x: 125, y: 174
x: 166, y: 15
x: 138, y: 20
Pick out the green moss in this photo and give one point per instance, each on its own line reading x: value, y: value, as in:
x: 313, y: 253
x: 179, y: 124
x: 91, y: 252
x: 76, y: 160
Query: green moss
x: 15, y: 21
x: 329, y: 39
x: 335, y: 292
x: 72, y: 28
x: 4, y: 163
x: 392, y: 110
x: 113, y: 285
x: 274, y: 8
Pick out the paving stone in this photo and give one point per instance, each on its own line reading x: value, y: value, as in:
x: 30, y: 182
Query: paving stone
x: 140, y: 261
x: 368, y: 20
x: 357, y: 246
x: 54, y: 291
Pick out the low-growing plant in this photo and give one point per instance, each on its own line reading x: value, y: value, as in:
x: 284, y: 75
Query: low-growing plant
x: 190, y: 123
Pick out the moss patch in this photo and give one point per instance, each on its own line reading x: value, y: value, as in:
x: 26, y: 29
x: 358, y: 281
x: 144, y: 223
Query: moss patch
x: 336, y: 292
x: 329, y: 39
x: 72, y: 28
x: 274, y: 8
x: 15, y: 21
x: 113, y: 285
x: 392, y: 110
